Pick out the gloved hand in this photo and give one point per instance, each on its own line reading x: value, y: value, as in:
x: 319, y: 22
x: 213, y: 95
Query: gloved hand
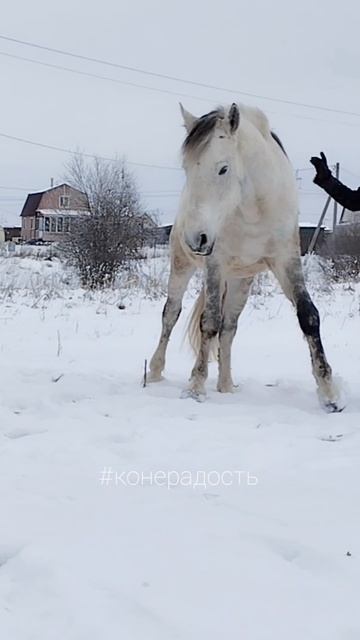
x: 323, y: 172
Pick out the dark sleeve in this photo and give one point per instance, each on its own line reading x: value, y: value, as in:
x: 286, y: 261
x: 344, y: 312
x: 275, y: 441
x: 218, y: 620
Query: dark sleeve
x: 343, y: 195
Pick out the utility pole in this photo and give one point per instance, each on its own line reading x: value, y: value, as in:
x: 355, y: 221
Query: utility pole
x: 313, y: 241
x: 337, y: 174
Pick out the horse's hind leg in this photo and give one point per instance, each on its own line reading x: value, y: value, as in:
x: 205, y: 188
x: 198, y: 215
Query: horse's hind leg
x: 236, y: 295
x: 291, y: 279
x: 180, y: 274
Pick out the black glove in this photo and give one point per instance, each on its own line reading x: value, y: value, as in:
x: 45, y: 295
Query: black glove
x: 323, y: 172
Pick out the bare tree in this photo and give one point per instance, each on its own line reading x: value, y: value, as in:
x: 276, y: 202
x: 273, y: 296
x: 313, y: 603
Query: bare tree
x: 110, y: 237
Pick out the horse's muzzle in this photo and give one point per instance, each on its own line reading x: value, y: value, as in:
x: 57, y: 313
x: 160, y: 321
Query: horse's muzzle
x: 201, y: 245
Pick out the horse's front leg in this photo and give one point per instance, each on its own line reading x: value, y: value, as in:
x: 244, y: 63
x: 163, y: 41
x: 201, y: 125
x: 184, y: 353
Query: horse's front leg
x: 210, y: 321
x: 180, y: 274
x: 236, y: 295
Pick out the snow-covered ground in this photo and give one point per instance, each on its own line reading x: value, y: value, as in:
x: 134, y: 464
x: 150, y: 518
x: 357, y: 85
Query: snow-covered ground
x: 88, y: 551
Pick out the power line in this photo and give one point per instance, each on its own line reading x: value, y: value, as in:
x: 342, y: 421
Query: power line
x: 146, y: 87
x: 301, y: 192
x: 149, y: 88
x: 159, y: 191
x: 354, y: 175
x: 160, y: 195
x: 173, y: 78
x: 143, y: 193
x: 332, y: 167
x: 100, y: 77
x: 146, y: 194
x: 14, y: 188
x: 86, y: 155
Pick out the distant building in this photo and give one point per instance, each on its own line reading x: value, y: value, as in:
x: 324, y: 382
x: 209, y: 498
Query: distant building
x: 48, y: 215
x: 162, y: 234
x: 12, y: 234
x: 349, y: 217
x: 307, y: 230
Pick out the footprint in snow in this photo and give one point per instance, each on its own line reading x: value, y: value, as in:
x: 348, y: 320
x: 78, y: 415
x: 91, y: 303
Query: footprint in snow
x: 7, y: 552
x: 19, y: 433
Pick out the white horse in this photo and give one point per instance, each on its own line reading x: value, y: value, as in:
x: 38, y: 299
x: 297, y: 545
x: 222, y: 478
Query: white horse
x: 238, y: 216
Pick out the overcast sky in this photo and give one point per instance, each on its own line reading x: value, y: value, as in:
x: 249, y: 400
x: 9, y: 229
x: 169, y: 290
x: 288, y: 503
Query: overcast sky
x: 305, y: 52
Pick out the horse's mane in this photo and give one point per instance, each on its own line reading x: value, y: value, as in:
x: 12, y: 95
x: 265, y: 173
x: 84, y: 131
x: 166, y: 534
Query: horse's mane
x: 200, y: 134
x: 277, y: 139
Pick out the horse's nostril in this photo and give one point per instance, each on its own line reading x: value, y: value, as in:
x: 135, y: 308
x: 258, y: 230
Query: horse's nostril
x: 203, y: 240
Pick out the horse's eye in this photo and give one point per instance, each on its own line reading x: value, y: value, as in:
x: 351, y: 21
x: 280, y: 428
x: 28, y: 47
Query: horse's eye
x: 223, y: 170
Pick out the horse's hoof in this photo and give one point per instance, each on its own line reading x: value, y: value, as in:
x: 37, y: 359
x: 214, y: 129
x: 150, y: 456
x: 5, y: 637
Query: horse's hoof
x: 226, y: 388
x: 333, y: 407
x: 198, y: 396
x: 334, y: 400
x: 154, y: 377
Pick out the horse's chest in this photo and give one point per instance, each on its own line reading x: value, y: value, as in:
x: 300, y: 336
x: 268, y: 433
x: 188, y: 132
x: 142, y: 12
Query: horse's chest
x: 244, y: 241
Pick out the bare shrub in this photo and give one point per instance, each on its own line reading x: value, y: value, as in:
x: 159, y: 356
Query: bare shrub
x: 343, y: 248
x: 318, y: 273
x: 111, y: 236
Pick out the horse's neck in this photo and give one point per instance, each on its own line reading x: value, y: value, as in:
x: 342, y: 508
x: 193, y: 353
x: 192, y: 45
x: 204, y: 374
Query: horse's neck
x: 252, y: 168
x: 257, y: 161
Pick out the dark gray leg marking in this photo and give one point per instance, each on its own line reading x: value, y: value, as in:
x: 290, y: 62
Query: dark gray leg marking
x: 236, y: 295
x: 309, y: 321
x: 210, y: 322
x: 291, y: 279
x: 178, y: 282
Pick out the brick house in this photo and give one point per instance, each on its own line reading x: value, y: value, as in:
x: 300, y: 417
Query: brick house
x: 48, y: 215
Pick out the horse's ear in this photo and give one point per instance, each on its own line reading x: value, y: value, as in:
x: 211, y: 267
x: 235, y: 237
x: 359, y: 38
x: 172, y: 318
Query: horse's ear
x: 234, y: 117
x: 189, y: 119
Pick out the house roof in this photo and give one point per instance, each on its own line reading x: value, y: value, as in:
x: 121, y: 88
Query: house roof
x: 310, y: 225
x: 148, y: 220
x: 33, y: 200
x: 31, y: 204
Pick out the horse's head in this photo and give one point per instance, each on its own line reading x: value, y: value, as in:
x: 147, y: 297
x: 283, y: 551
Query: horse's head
x: 212, y: 189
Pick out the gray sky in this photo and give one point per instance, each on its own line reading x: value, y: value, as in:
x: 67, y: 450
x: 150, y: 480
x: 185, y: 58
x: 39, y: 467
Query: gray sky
x: 306, y: 52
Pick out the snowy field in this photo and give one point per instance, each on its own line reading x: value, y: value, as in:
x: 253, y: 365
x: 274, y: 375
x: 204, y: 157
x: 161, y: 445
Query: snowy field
x: 89, y: 552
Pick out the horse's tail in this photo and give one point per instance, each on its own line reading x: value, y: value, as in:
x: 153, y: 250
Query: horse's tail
x: 193, y: 328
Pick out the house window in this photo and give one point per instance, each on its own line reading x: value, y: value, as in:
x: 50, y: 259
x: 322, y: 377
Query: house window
x: 60, y: 225
x: 47, y: 224
x: 64, y: 202
x: 53, y: 225
x: 66, y: 225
